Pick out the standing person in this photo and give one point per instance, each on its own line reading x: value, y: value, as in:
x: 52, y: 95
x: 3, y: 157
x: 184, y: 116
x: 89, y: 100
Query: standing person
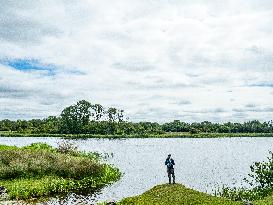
x: 170, y: 169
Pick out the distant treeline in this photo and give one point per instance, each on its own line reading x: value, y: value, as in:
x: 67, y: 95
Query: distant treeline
x: 87, y: 118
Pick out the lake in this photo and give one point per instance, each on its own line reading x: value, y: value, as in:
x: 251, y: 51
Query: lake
x: 202, y: 164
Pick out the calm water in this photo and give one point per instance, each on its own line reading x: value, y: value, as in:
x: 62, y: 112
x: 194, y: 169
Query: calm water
x: 202, y: 164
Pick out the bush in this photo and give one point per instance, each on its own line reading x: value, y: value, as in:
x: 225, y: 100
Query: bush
x: 28, y: 163
x: 260, y: 179
x: 262, y: 174
x: 40, y: 146
x: 66, y: 147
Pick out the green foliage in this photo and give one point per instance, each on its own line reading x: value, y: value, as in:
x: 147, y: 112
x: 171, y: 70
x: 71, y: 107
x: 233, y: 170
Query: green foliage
x: 27, y: 164
x: 40, y: 146
x: 6, y: 147
x: 260, y: 179
x: 175, y: 194
x: 139, y: 135
x: 75, y: 117
x: 176, y: 126
x: 98, y: 111
x: 86, y: 118
x: 241, y: 194
x: 207, y: 127
x: 262, y: 173
x: 193, y: 130
x: 41, y: 170
x: 26, y: 188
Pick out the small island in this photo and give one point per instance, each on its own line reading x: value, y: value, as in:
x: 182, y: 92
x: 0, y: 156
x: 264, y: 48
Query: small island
x: 39, y: 170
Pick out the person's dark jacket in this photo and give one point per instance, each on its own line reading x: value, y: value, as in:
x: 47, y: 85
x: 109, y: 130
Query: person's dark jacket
x: 169, y: 163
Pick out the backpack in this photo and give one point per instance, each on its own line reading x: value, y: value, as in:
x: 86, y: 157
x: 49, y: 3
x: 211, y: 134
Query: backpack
x: 170, y: 164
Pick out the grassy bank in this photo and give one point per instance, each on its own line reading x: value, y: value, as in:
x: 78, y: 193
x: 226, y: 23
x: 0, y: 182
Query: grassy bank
x: 178, y: 194
x: 175, y: 194
x: 40, y: 170
x: 165, y: 135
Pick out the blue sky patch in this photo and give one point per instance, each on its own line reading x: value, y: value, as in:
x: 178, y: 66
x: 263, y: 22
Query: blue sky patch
x: 30, y: 65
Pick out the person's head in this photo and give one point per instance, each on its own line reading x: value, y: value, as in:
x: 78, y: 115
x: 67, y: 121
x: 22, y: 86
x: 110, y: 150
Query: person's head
x: 169, y: 156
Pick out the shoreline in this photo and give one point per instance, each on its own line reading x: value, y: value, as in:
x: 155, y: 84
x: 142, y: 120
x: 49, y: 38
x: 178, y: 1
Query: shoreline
x: 165, y: 135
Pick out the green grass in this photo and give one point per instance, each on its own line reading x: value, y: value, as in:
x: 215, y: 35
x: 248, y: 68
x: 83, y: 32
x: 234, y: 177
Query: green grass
x: 164, y: 135
x: 266, y: 201
x: 40, y: 170
x: 175, y: 194
x: 178, y: 194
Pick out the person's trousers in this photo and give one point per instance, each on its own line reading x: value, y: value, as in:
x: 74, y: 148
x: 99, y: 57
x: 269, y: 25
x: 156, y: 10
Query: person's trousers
x: 171, y: 175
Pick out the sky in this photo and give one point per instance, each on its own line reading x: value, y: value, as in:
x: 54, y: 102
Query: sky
x: 159, y: 60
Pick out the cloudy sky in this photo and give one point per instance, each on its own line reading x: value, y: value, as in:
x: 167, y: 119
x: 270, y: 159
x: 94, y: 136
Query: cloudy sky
x: 159, y: 60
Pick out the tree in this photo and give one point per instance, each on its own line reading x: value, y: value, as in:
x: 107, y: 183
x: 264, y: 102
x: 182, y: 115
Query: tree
x: 98, y: 111
x: 75, y: 117
x: 52, y: 124
x: 112, y: 114
x: 120, y: 115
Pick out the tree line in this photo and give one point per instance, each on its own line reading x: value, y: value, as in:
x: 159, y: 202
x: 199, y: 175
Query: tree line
x: 86, y: 118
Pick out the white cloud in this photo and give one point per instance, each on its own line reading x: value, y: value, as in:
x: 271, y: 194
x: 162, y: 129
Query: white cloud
x: 210, y: 54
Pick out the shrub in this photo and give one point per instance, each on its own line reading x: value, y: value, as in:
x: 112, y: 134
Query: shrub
x: 28, y: 163
x: 40, y: 146
x: 260, y: 179
x: 66, y: 147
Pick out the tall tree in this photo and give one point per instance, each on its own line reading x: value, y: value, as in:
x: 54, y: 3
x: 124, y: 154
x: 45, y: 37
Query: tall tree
x: 98, y: 111
x: 112, y: 114
x: 75, y: 117
x: 120, y: 115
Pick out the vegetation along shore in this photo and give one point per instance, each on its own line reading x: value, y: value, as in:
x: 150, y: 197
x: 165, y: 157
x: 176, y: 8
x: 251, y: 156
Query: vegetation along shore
x: 39, y: 170
x: 124, y: 136
x: 84, y: 119
x: 178, y: 194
